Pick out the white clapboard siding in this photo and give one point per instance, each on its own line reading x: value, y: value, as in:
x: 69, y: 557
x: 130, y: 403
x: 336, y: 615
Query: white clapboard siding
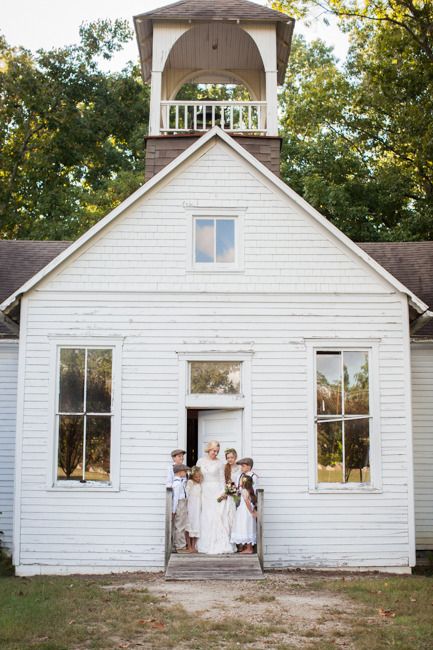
x: 8, y: 398
x: 422, y: 392
x: 284, y: 249
x: 133, y: 284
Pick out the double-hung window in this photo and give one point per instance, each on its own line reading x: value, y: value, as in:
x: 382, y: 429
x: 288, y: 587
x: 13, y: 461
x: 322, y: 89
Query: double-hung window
x: 343, y: 418
x: 84, y: 415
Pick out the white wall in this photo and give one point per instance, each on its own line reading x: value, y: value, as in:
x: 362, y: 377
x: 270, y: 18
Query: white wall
x: 133, y: 283
x: 422, y: 391
x: 8, y: 398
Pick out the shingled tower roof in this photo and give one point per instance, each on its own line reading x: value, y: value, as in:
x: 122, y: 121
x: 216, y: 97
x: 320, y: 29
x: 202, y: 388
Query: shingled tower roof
x: 214, y: 10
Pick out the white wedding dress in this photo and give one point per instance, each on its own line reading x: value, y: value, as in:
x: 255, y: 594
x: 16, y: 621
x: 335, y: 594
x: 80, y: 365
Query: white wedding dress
x: 214, y: 520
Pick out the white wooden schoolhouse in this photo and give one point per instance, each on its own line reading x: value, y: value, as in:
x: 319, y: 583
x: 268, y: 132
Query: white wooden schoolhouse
x: 215, y: 303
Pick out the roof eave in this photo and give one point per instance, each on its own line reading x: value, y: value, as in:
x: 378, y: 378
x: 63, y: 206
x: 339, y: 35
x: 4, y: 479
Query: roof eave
x: 421, y: 321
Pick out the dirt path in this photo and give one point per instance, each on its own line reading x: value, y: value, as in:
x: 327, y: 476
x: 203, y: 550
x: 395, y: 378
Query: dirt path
x: 301, y: 615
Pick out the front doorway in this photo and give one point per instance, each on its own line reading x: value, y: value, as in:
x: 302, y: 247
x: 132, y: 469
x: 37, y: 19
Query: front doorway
x: 204, y: 425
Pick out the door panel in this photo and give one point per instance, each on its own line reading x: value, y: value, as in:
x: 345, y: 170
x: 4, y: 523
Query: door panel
x: 222, y: 425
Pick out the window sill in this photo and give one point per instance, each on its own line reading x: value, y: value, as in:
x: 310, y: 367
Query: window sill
x: 356, y: 489
x: 215, y: 269
x: 82, y: 488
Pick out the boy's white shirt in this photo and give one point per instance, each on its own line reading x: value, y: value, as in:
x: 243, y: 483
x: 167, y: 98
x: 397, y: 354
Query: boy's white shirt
x: 170, y: 475
x: 179, y: 491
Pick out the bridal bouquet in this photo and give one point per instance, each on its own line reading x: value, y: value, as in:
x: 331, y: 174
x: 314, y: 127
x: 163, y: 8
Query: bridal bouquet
x: 230, y: 490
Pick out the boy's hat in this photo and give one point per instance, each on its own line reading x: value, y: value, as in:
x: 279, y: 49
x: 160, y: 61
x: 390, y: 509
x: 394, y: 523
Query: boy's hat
x: 175, y: 452
x: 245, y: 461
x: 180, y: 468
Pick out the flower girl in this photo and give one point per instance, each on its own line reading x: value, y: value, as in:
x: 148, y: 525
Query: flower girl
x: 193, y: 492
x: 244, y: 529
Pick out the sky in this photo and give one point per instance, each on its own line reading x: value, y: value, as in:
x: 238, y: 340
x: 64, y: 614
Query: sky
x: 52, y: 23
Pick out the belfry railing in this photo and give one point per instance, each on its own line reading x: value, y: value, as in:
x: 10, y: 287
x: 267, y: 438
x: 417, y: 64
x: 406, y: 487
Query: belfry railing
x: 191, y: 116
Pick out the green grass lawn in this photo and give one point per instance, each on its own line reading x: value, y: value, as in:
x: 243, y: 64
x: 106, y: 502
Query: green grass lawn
x: 63, y: 613
x: 404, y: 605
x: 76, y: 613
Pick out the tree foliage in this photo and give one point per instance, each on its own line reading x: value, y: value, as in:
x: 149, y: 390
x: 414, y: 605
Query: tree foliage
x: 359, y: 137
x: 71, y: 136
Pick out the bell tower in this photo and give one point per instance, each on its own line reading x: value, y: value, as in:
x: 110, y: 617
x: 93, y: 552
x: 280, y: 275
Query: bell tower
x: 213, y: 42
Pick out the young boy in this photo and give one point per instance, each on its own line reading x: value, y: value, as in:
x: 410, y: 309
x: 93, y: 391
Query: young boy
x: 246, y: 465
x: 180, y: 512
x: 177, y: 456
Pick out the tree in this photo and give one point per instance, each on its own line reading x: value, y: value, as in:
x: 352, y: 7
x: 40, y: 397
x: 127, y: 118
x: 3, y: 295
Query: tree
x: 359, y: 138
x: 71, y: 136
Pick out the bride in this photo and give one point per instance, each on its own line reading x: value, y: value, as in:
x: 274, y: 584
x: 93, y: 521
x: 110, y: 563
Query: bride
x: 214, y: 521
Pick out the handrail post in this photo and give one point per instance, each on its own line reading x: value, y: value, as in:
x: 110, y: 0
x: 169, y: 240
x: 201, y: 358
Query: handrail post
x: 168, y: 524
x: 260, y: 503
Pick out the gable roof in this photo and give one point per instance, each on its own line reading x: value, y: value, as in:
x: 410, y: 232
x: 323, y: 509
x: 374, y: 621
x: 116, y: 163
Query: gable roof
x: 209, y: 10
x: 216, y: 10
x: 20, y: 261
x: 412, y: 263
x: 419, y: 305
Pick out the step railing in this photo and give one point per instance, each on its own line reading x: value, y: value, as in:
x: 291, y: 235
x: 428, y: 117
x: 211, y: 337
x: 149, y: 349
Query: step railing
x: 260, y: 547
x: 191, y: 116
x: 168, y: 524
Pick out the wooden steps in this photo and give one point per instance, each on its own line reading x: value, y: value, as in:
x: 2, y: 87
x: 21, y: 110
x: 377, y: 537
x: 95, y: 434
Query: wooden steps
x: 213, y: 567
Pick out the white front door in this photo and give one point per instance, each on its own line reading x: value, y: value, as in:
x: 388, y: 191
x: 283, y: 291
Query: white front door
x: 222, y: 425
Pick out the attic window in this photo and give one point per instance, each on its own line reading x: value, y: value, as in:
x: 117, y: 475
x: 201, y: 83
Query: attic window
x: 215, y: 242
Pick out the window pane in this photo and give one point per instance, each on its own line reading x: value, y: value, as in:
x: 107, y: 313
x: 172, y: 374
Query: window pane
x: 225, y: 240
x: 356, y: 383
x: 204, y: 240
x: 70, y: 458
x: 329, y: 452
x: 220, y: 377
x: 328, y: 383
x: 99, y: 364
x: 357, y: 451
x: 98, y: 437
x: 71, y: 389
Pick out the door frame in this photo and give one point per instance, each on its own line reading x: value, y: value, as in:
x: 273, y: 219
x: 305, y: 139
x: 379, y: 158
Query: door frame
x: 196, y: 401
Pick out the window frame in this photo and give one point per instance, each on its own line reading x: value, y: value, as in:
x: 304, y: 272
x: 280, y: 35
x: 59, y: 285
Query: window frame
x: 210, y: 401
x: 343, y: 345
x: 216, y: 214
x: 113, y: 485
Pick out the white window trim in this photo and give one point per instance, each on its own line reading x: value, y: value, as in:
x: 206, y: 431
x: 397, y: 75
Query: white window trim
x: 197, y: 401
x: 94, y: 343
x: 216, y: 267
x: 375, y: 485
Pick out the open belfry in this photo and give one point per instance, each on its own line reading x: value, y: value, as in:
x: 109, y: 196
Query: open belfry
x: 206, y: 42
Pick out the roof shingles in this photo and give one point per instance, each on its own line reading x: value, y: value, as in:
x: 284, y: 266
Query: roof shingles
x: 21, y: 260
x: 216, y: 10
x: 411, y: 263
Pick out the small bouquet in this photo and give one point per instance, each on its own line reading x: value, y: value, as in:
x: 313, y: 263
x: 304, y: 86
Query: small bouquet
x: 230, y: 490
